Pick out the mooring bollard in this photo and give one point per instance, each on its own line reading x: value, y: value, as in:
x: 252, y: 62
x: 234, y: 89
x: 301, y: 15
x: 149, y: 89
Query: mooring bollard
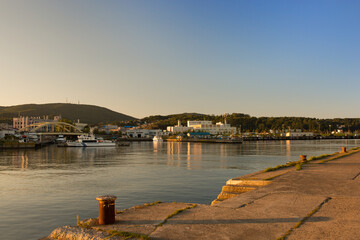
x: 343, y: 150
x: 303, y: 158
x: 106, y: 209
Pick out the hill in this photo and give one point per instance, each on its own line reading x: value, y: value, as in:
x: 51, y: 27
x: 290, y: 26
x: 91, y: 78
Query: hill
x: 86, y: 113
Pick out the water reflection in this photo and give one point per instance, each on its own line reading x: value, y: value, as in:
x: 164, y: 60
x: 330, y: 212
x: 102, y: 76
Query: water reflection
x: 192, y: 156
x: 177, y: 152
x: 288, y: 148
x: 52, y: 157
x: 25, y: 161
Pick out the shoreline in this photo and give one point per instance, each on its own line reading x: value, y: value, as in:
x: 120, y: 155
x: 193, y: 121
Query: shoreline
x: 260, y: 199
x: 244, y: 139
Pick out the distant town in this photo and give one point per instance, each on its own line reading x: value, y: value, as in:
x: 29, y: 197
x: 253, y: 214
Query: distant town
x: 45, y: 129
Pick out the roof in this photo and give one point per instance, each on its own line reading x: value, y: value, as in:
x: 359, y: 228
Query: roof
x: 199, y: 134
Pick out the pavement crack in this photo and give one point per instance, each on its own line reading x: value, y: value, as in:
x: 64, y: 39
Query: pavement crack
x: 302, y: 221
x: 356, y: 176
x: 172, y: 215
x: 251, y: 202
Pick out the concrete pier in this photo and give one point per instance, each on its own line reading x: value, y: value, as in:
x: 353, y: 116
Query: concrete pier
x: 320, y: 201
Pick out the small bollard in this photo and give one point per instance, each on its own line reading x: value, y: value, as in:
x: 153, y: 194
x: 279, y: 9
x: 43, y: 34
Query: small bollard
x: 343, y: 150
x: 303, y: 158
x: 106, y: 209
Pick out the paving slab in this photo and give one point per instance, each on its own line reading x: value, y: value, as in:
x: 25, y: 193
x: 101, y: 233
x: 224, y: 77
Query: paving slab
x: 343, y: 221
x: 143, y: 219
x: 266, y: 218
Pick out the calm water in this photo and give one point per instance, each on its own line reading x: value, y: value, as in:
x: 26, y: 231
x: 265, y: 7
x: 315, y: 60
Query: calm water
x: 46, y: 188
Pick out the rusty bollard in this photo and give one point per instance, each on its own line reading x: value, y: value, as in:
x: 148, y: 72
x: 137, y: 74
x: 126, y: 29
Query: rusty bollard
x: 106, y: 209
x: 303, y: 158
x: 343, y: 150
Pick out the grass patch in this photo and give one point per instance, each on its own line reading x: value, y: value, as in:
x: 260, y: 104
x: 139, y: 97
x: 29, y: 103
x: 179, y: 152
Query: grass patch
x: 313, y: 158
x: 173, y: 214
x: 289, y: 164
x: 298, y: 166
x: 82, y: 224
x: 126, y: 235
x: 283, y: 237
x: 147, y: 205
x: 340, y: 156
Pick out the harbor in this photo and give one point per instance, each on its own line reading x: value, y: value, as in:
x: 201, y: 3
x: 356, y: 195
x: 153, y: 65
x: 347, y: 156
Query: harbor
x: 53, y: 185
x: 311, y: 202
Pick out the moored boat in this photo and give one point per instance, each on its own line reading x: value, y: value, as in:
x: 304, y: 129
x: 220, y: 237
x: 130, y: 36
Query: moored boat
x: 90, y: 141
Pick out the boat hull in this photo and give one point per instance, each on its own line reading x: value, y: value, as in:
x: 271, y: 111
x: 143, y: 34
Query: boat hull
x: 82, y: 144
x: 102, y: 144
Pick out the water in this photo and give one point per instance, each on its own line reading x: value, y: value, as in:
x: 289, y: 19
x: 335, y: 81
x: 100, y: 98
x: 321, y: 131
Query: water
x: 47, y: 188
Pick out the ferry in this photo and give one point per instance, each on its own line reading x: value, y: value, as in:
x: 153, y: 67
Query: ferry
x: 90, y: 141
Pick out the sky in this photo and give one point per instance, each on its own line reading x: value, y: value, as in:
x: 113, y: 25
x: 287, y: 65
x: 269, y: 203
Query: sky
x: 150, y: 57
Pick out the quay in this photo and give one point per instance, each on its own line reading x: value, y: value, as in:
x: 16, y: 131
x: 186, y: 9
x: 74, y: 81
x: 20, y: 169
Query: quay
x: 17, y: 145
x: 316, y: 198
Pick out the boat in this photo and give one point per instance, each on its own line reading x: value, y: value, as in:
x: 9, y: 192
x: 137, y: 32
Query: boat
x: 90, y: 141
x: 61, y: 141
x: 157, y: 139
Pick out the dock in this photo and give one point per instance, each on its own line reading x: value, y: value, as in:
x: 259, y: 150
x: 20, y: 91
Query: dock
x: 18, y: 145
x: 315, y: 199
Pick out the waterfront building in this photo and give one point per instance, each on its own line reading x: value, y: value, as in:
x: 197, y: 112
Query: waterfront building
x: 22, y: 122
x: 178, y: 128
x: 7, y: 132
x: 203, y: 126
x: 144, y: 133
x: 299, y: 134
x: 208, y: 126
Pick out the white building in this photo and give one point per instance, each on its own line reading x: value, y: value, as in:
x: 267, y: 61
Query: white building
x: 207, y: 126
x: 22, y: 122
x: 144, y: 133
x: 203, y: 126
x: 299, y: 134
x: 178, y: 128
x: 197, y: 123
x: 6, y: 132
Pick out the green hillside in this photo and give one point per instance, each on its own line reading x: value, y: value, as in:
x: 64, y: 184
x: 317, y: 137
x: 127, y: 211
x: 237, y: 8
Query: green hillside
x: 86, y: 113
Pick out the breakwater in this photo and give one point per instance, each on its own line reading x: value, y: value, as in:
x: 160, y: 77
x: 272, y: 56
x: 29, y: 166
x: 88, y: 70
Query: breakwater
x: 311, y: 202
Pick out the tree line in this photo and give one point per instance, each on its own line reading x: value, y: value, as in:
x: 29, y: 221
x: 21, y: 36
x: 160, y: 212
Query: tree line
x: 248, y: 123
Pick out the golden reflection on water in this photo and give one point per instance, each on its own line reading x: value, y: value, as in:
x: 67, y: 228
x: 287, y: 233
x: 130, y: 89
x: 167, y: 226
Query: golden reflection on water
x: 288, y: 148
x: 24, y: 161
x: 192, y: 154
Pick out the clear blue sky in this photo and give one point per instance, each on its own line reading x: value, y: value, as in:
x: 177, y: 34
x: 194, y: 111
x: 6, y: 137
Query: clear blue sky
x: 264, y: 58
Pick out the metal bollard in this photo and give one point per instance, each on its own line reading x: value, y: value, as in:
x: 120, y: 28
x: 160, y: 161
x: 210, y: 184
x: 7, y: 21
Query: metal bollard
x: 343, y: 150
x: 303, y: 158
x: 106, y: 209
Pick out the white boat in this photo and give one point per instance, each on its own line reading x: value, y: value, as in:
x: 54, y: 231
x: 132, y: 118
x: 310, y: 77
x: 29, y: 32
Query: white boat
x: 90, y: 141
x: 60, y: 139
x: 157, y: 139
